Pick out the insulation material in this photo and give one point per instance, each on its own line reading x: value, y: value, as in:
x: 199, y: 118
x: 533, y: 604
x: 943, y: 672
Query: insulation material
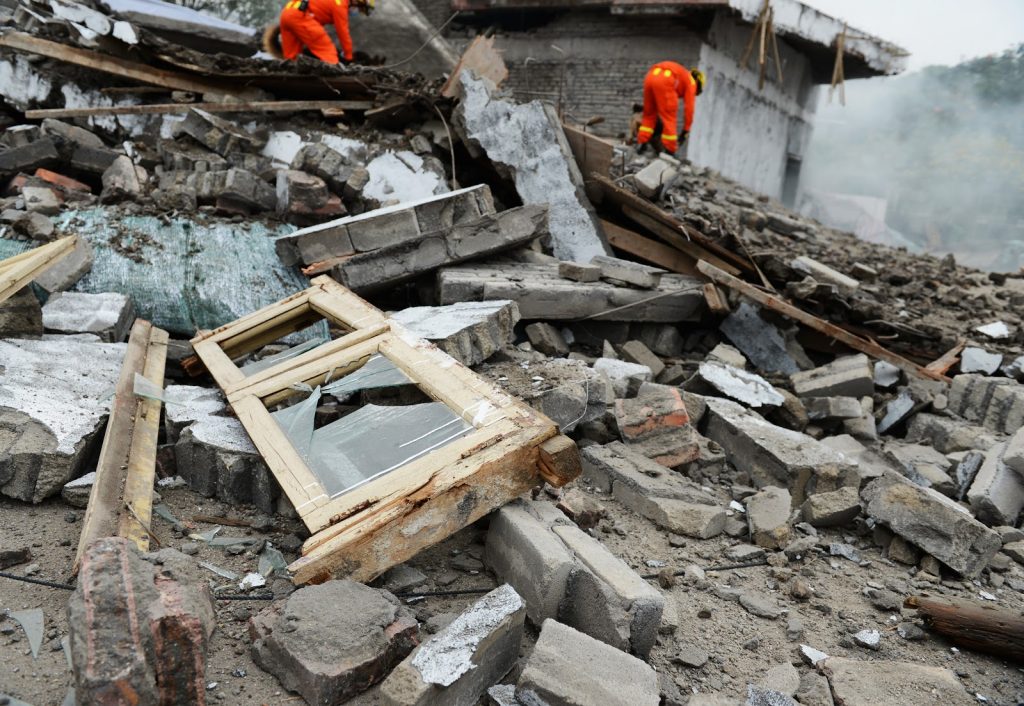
x: 181, y: 275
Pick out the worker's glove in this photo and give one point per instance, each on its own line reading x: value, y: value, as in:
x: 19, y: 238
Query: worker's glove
x: 682, y: 139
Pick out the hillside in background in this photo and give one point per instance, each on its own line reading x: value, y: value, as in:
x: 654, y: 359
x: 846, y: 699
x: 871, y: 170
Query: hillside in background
x: 944, y: 147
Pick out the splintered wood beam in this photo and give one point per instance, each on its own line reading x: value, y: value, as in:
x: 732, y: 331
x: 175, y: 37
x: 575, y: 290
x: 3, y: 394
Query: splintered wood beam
x: 976, y: 626
x: 18, y: 271
x: 179, y: 108
x: 678, y: 241
x: 650, y: 250
x: 716, y: 301
x: 483, y: 59
x: 121, y: 499
x: 813, y: 322
x: 114, y: 66
x: 948, y: 359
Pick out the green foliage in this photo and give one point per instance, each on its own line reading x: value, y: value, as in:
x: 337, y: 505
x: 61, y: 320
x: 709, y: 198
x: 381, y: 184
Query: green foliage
x: 944, y: 145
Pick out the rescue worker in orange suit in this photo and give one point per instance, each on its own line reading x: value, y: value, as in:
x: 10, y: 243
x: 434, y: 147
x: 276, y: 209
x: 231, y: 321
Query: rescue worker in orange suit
x: 664, y: 85
x: 302, y: 27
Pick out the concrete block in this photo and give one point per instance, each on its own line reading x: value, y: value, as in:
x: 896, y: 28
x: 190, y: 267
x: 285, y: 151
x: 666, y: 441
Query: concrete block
x: 850, y: 376
x: 776, y: 456
x: 52, y: 410
x: 370, y: 633
x: 139, y: 631
x: 656, y: 424
x: 768, y: 513
x: 922, y: 465
x: 618, y: 607
x: 542, y: 167
x: 760, y: 341
x: 579, y: 272
x: 832, y: 409
x: 634, y: 273
x: 21, y: 316
x: 1006, y: 412
x: 108, y: 315
x: 734, y: 383
x: 547, y: 339
x: 220, y: 135
x: 663, y: 339
x: 123, y: 181
x: 41, y: 200
x: 1014, y: 454
x: 568, y: 668
x: 931, y: 521
x: 302, y: 196
x: 93, y: 160
x: 653, y: 177
x: 244, y: 189
x: 865, y: 427
x: 825, y: 274
x: 69, y: 136
x: 65, y: 273
x: 637, y: 352
x: 725, y: 354
x: 470, y: 332
x: 217, y: 458
x: 27, y: 158
x: 997, y: 494
x: 544, y: 295
x: 191, y: 403
x: 458, y: 664
x: 833, y: 509
x: 523, y: 552
x: 624, y: 376
x: 489, y: 235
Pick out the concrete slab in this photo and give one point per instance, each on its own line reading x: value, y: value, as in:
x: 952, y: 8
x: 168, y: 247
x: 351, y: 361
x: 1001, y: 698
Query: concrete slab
x: 470, y: 332
x: 109, y: 315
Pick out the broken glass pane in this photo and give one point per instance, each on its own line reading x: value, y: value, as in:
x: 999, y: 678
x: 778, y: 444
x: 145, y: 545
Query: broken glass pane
x: 374, y: 440
x: 379, y: 371
x: 32, y: 623
x: 271, y: 360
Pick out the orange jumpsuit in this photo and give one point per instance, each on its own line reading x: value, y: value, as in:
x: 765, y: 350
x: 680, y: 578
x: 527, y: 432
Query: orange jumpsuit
x: 665, y: 84
x: 306, y: 29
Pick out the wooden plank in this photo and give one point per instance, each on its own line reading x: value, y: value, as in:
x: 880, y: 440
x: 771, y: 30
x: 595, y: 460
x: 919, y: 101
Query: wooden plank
x: 593, y: 155
x: 223, y: 370
x: 298, y: 300
x: 116, y: 67
x: 559, y: 460
x: 717, y: 303
x: 678, y: 241
x: 105, y: 499
x: 179, y: 108
x: 788, y: 310
x: 18, y: 271
x: 340, y: 363
x: 141, y: 472
x: 948, y: 359
x: 650, y: 250
x: 976, y: 626
x: 483, y: 59
x: 343, y: 305
x: 641, y: 205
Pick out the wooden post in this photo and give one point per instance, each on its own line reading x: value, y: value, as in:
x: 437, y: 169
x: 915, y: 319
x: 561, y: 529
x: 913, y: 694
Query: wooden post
x: 976, y: 626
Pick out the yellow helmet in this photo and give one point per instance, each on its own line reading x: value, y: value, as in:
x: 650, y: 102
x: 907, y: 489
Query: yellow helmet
x: 698, y: 76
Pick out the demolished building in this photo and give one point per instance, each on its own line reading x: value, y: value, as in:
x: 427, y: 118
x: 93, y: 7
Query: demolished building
x: 340, y: 393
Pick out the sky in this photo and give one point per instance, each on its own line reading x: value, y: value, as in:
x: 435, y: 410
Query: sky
x: 935, y: 31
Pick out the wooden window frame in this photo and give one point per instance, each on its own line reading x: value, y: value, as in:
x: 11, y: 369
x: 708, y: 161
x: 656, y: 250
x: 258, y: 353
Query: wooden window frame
x: 388, y: 519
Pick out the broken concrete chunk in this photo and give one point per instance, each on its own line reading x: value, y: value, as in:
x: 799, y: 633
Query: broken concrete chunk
x: 528, y: 142
x: 188, y: 404
x: 459, y: 663
x: 370, y: 633
x: 949, y: 435
x: 634, y: 273
x: 470, y: 332
x: 834, y: 509
x: 1014, y: 454
x: 625, y: 377
x: 996, y: 403
x: 886, y: 374
x: 866, y: 683
x: 637, y: 352
x: 220, y: 135
x: 139, y: 631
x: 108, y: 315
x: 53, y: 403
x: 997, y: 493
x: 41, y: 200
x: 922, y: 465
x: 606, y: 599
x: 65, y: 273
x: 653, y: 177
x: 21, y: 316
x: 579, y: 272
x: 123, y: 181
x: 662, y: 339
x: 832, y: 409
x: 768, y: 513
x: 547, y: 339
x: 850, y: 376
x: 27, y: 158
x: 931, y: 521
x: 734, y: 383
x: 776, y: 456
x: 759, y: 341
x: 656, y: 424
x: 568, y: 668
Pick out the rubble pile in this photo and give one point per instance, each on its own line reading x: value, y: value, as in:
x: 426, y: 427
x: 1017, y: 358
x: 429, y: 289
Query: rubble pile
x: 771, y: 446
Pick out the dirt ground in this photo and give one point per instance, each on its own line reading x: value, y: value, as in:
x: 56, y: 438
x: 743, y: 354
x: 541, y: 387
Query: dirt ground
x: 741, y: 647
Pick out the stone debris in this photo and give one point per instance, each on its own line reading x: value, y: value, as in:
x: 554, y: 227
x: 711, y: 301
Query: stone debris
x: 856, y: 683
x: 459, y: 663
x: 109, y: 315
x: 370, y: 633
x: 656, y: 424
x: 851, y: 376
x: 470, y: 332
x: 768, y: 513
x: 741, y: 386
x: 568, y: 668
